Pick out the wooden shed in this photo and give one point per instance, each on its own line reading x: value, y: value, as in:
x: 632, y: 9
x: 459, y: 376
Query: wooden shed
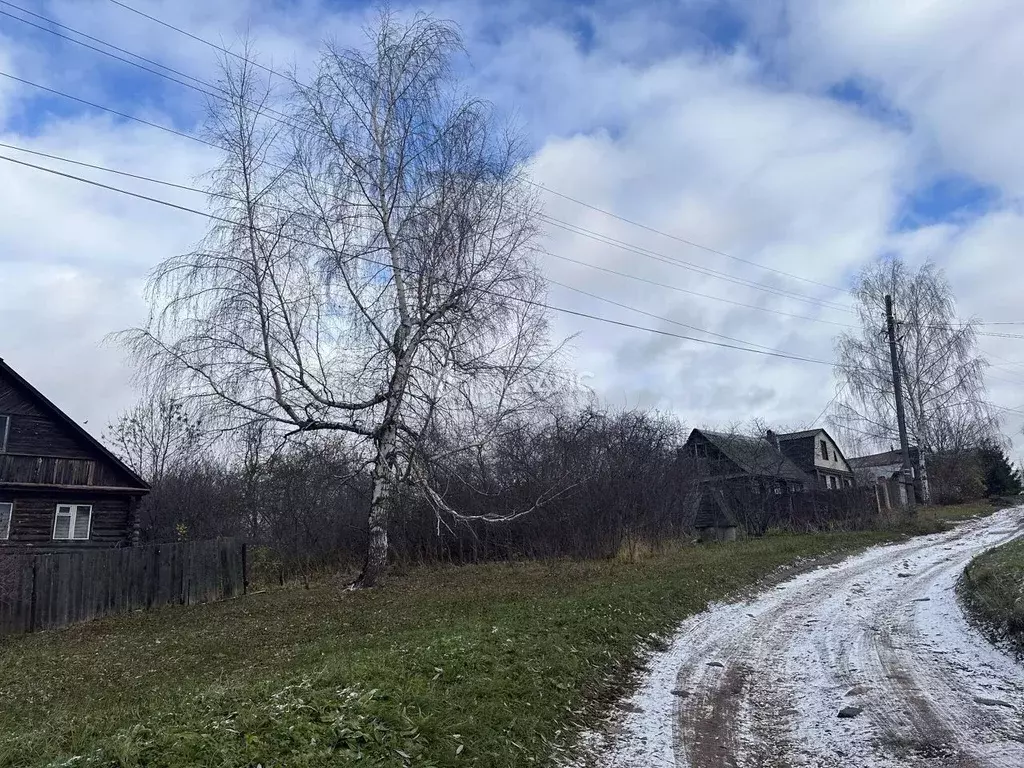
x: 714, y: 520
x: 60, y: 488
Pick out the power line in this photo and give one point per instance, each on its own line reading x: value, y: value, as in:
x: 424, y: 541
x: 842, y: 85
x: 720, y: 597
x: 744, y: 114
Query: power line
x: 564, y: 225
x: 676, y: 322
x: 114, y: 112
x: 683, y: 264
x: 100, y: 50
x: 185, y: 187
x: 207, y: 89
x: 137, y: 176
x: 287, y: 121
x: 685, y: 241
x: 197, y: 38
x: 575, y: 229
x: 828, y: 405
x: 671, y: 287
x: 572, y: 228
x: 1007, y: 410
x: 196, y: 190
x: 578, y: 230
x: 546, y: 305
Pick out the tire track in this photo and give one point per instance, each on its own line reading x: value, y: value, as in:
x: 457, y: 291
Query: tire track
x: 760, y: 683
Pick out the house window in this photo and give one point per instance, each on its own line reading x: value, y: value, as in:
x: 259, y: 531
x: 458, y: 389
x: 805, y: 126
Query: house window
x: 834, y: 481
x: 72, y: 522
x: 824, y: 450
x: 848, y: 482
x: 6, y: 512
x: 5, y: 428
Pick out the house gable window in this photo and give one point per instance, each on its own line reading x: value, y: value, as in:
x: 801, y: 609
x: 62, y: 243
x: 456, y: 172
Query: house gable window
x: 72, y: 522
x: 824, y: 449
x: 5, y: 429
x: 6, y: 512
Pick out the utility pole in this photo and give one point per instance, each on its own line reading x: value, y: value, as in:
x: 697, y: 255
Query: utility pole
x: 897, y: 386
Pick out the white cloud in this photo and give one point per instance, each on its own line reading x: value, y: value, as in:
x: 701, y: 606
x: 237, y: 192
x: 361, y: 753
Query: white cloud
x: 699, y: 143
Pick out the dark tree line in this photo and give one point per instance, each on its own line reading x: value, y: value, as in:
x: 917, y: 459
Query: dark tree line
x: 578, y: 482
x: 582, y: 483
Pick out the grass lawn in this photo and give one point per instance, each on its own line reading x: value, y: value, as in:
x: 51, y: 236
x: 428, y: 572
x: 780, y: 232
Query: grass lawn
x: 494, y: 665
x: 992, y: 590
x: 958, y: 512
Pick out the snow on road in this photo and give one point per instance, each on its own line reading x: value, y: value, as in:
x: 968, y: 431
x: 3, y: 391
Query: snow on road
x: 761, y: 682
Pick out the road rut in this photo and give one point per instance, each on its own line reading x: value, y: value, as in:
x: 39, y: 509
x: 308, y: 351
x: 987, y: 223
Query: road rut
x: 761, y: 682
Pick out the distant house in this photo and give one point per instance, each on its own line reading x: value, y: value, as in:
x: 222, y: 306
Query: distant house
x: 886, y: 469
x: 816, y: 453
x: 756, y: 461
x: 783, y: 463
x: 887, y: 465
x: 60, y: 488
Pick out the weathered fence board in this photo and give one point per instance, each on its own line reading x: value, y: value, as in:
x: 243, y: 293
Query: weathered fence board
x: 52, y: 591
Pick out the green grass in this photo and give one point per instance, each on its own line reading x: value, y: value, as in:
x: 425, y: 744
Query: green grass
x: 494, y: 665
x: 992, y: 590
x: 959, y: 512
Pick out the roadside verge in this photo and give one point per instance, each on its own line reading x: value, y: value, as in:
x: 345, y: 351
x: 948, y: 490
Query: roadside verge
x: 992, y: 592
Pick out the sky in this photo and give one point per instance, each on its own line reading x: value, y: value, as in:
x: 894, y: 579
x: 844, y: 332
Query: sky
x: 776, y: 147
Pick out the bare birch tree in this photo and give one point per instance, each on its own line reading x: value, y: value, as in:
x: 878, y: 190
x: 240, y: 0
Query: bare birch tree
x: 370, y: 271
x: 940, y: 364
x: 157, y: 435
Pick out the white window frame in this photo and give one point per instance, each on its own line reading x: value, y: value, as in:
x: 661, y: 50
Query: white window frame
x: 5, y: 531
x: 72, y: 522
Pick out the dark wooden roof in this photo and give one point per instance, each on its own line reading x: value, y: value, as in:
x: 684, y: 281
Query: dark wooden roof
x: 755, y: 456
x: 792, y: 437
x: 882, y: 459
x: 802, y: 434
x: 47, y: 405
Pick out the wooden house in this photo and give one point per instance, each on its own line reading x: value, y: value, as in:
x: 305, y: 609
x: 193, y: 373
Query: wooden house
x: 60, y: 488
x: 755, y: 462
x: 818, y: 455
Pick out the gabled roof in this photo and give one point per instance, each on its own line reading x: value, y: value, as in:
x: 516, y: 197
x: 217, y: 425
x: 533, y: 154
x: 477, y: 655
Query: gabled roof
x: 877, y: 460
x: 804, y: 434
x: 755, y: 456
x: 73, y: 425
x: 883, y: 459
x: 801, y: 435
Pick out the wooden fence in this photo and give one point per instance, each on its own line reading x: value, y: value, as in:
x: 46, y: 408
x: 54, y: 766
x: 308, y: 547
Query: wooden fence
x: 51, y: 591
x: 814, y: 509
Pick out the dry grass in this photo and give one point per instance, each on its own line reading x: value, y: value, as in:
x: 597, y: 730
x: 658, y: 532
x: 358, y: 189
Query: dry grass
x: 992, y: 589
x: 490, y: 666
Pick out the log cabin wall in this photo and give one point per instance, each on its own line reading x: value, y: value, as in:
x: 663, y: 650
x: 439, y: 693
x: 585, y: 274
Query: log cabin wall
x: 47, y: 460
x: 33, y: 517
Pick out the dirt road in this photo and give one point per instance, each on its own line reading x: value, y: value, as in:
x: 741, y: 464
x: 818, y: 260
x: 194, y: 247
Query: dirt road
x: 761, y: 683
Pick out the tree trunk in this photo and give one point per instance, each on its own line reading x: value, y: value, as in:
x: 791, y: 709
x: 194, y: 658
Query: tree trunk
x: 381, y: 500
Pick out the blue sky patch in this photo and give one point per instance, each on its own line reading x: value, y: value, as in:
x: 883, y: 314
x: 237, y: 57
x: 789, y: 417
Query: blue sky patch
x: 868, y: 101
x: 950, y: 197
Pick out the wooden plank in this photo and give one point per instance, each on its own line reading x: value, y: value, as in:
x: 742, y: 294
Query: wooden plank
x: 81, y: 585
